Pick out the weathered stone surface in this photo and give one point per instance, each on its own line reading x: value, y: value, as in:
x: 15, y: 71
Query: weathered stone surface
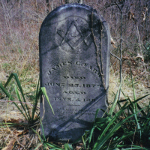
x: 74, y: 68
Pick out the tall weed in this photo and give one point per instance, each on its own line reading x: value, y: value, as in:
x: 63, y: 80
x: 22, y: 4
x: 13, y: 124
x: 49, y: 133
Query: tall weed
x: 29, y: 114
x: 128, y: 128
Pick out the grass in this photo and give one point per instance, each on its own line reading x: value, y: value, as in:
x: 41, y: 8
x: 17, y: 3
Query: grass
x: 128, y: 128
x: 29, y: 114
x: 122, y: 129
x: 140, y: 87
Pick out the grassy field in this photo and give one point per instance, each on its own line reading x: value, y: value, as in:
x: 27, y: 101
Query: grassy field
x: 126, y: 124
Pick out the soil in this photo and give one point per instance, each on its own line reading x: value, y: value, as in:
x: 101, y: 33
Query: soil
x: 8, y: 111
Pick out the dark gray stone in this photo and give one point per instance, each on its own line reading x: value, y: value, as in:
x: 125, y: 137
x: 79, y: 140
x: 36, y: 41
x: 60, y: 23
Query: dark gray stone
x: 74, y: 68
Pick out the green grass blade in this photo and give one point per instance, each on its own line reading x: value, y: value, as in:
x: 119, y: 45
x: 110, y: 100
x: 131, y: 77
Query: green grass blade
x: 46, y: 96
x: 37, y: 134
x: 115, y: 102
x: 42, y: 130
x: 123, y: 137
x: 9, y: 79
x: 107, y: 127
x: 96, y: 113
x: 11, y: 98
x: 143, y: 113
x: 68, y: 146
x: 20, y: 111
x: 91, y: 133
x: 141, y: 98
x: 135, y: 108
x: 51, y: 146
x: 45, y: 143
x: 38, y: 88
x: 20, y: 89
x: 6, y: 92
x: 17, y: 81
x: 85, y: 138
x: 84, y: 143
x: 134, y: 95
x: 38, y: 146
x: 136, y: 147
x: 104, y: 137
x: 38, y: 94
x: 19, y: 98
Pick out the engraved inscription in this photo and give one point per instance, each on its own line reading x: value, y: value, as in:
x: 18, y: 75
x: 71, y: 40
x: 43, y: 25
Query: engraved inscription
x: 63, y: 112
x: 78, y: 64
x: 71, y: 99
x: 73, y: 85
x: 80, y: 78
x: 74, y: 88
x: 74, y: 92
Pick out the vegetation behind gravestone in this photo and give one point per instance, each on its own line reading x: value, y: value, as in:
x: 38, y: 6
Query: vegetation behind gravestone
x: 21, y: 21
x: 20, y: 24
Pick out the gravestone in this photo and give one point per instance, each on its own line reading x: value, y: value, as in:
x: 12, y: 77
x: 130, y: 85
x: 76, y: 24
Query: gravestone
x: 74, y: 69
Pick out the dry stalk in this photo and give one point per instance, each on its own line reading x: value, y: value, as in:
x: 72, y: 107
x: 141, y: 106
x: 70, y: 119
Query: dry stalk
x: 98, y: 53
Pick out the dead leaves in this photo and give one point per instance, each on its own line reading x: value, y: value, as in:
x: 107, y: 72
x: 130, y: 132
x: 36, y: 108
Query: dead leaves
x: 13, y: 134
x: 15, y: 137
x: 10, y: 145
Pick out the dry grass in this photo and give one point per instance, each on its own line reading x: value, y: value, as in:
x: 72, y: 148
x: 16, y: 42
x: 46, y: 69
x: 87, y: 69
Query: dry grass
x: 12, y: 139
x: 141, y: 88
